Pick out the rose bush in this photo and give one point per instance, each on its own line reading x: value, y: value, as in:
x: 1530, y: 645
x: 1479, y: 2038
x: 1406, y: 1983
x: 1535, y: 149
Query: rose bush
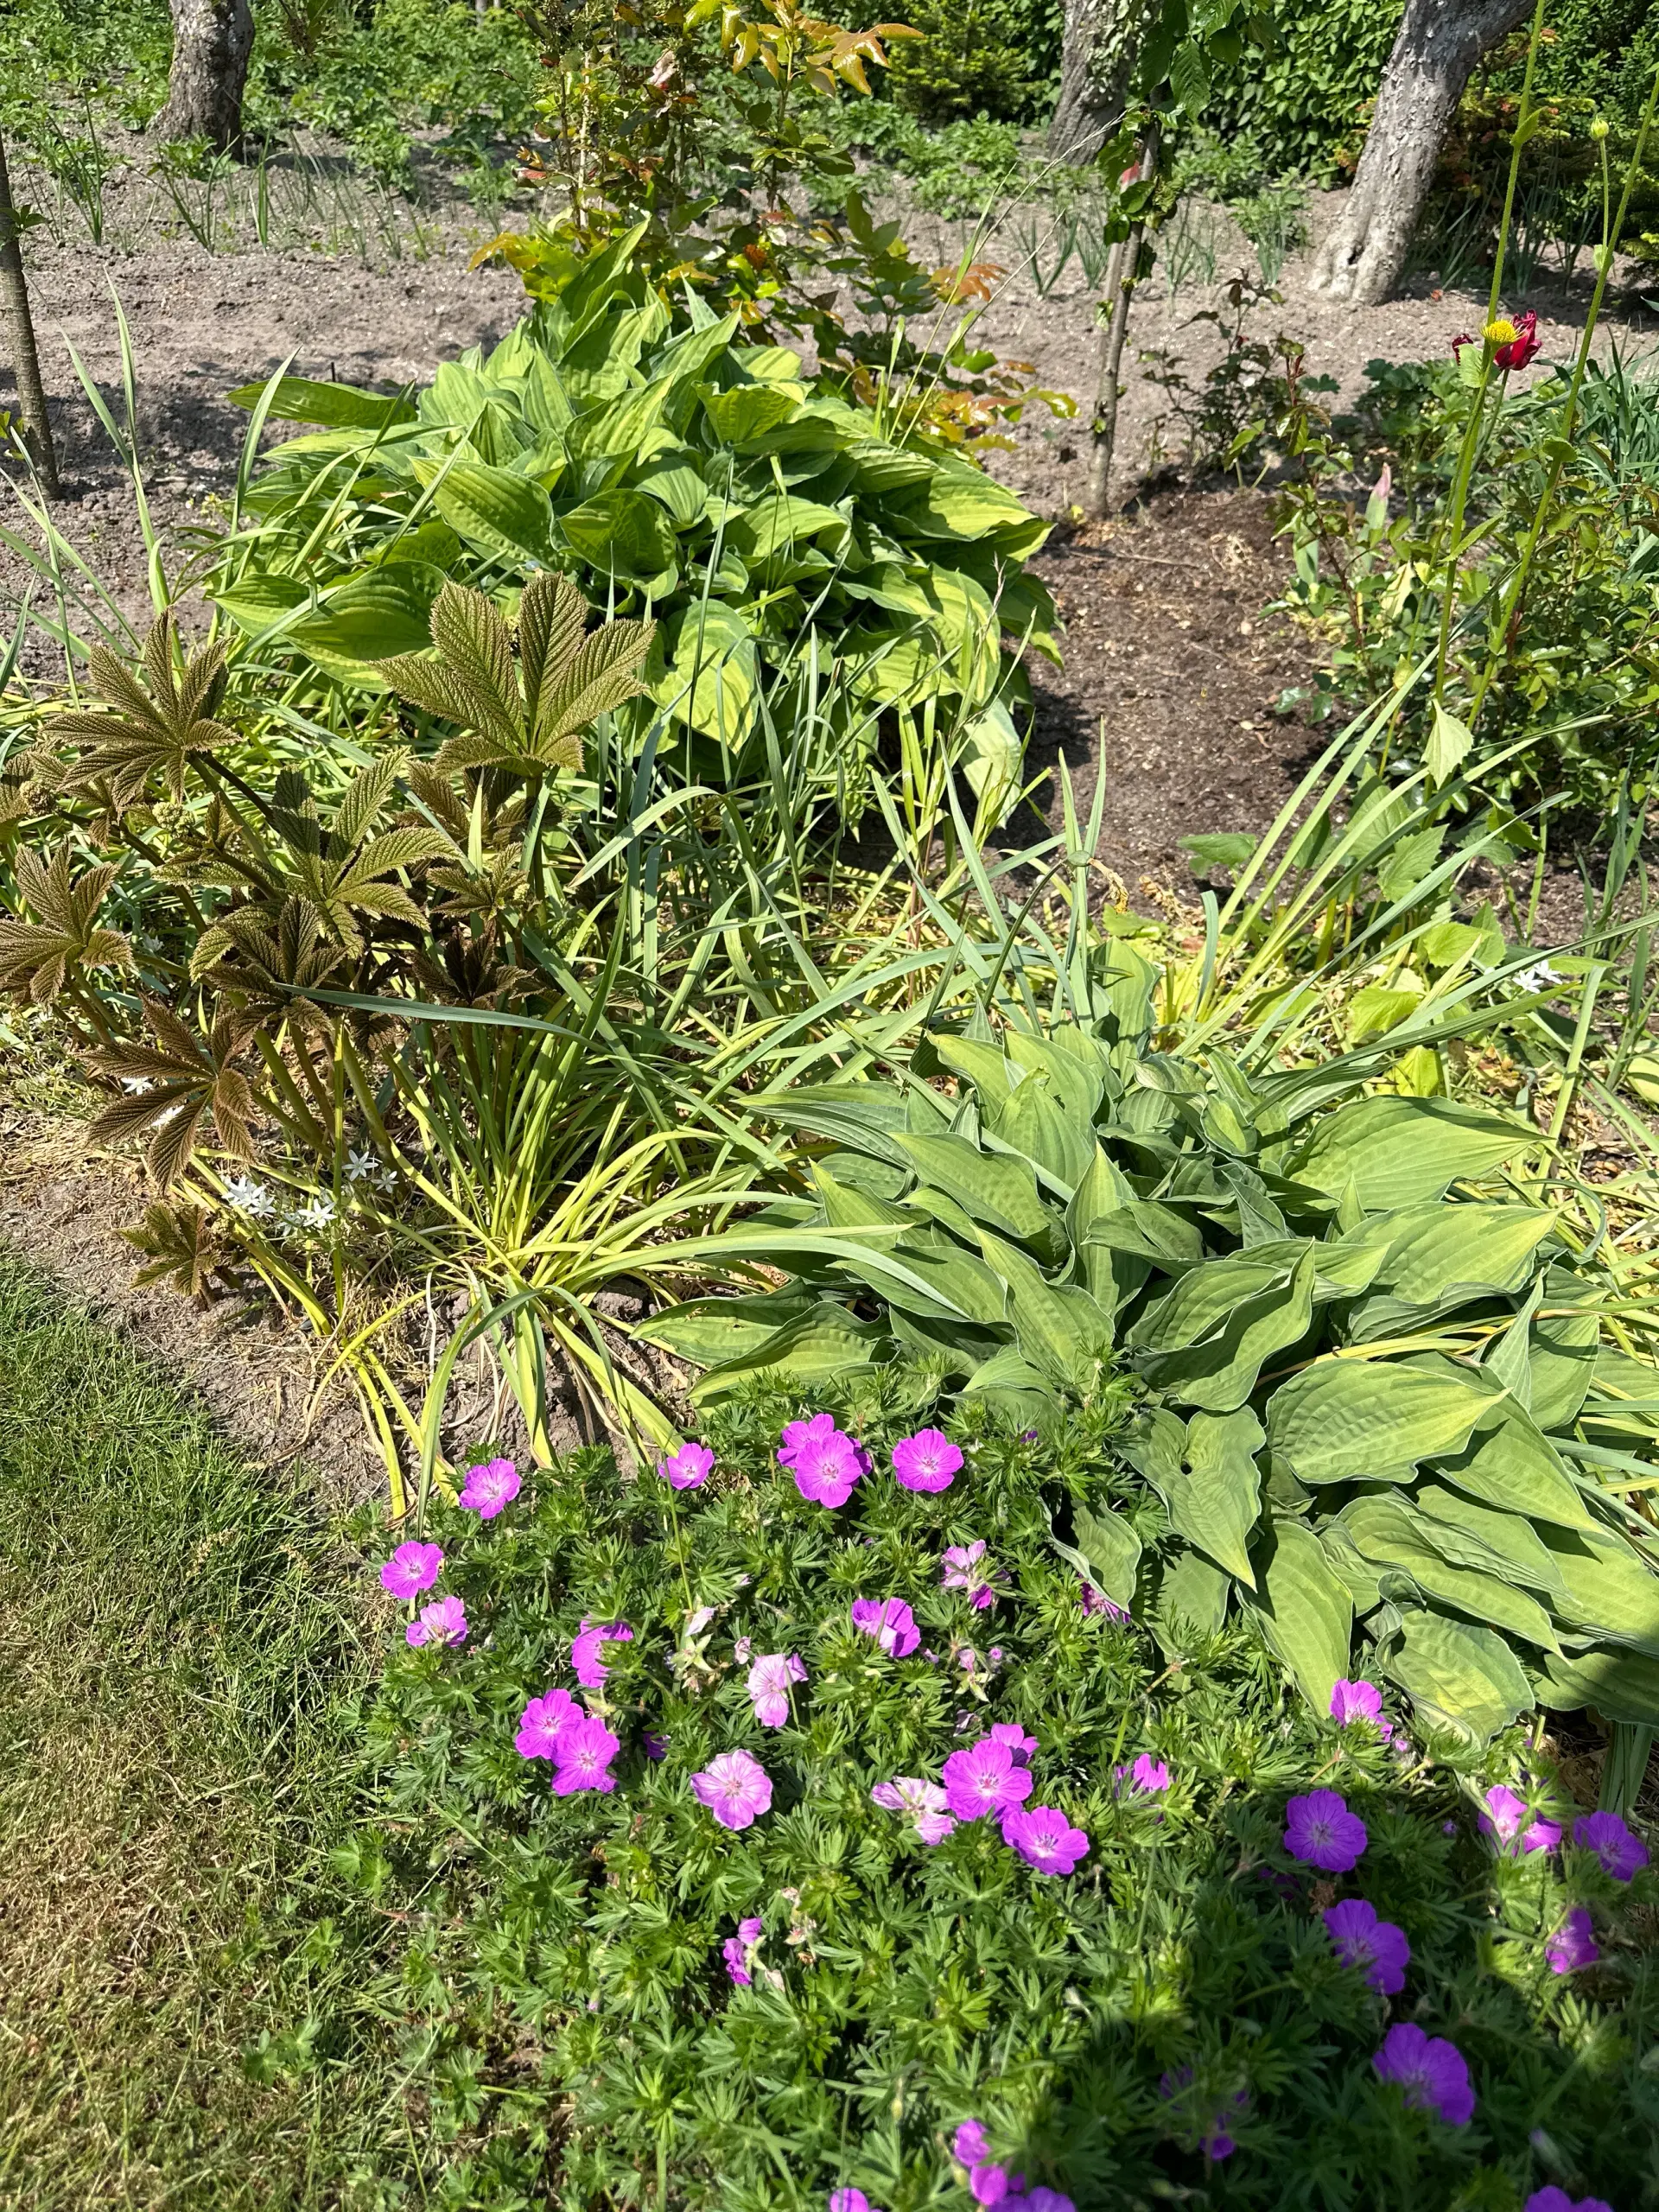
x: 750, y: 1857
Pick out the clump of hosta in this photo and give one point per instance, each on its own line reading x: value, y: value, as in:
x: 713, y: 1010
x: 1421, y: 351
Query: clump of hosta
x: 784, y: 1834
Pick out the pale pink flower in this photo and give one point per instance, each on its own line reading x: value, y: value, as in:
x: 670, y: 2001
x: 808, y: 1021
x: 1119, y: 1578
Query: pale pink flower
x: 769, y: 1681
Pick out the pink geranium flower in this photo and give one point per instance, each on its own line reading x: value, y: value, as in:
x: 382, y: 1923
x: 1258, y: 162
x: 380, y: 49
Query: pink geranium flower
x: 1011, y: 1733
x: 1431, y: 2071
x: 591, y: 1669
x: 1352, y: 1701
x: 1573, y: 1945
x: 582, y: 1755
x: 891, y: 1622
x: 1622, y: 1854
x: 488, y: 1488
x: 1096, y: 1601
x: 688, y: 1468
x: 825, y: 1463
x: 1557, y: 2200
x: 971, y: 2145
x: 1508, y: 1820
x: 1149, y: 1775
x: 985, y: 1778
x: 963, y: 1571
x: 735, y: 1788
x: 411, y: 1568
x: 542, y: 1722
x: 769, y: 1681
x: 1044, y: 1839
x: 927, y: 1461
x: 1363, y: 1940
x: 739, y: 1951
x: 1321, y: 1832
x: 444, y: 1621
x: 924, y: 1801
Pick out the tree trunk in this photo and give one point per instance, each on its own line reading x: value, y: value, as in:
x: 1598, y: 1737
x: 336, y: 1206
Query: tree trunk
x: 1439, y: 43
x: 25, y: 362
x: 1123, y: 274
x: 213, y: 40
x: 1097, y: 55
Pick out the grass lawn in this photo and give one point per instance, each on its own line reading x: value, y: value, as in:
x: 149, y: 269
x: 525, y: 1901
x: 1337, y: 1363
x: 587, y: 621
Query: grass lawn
x: 179, y: 1664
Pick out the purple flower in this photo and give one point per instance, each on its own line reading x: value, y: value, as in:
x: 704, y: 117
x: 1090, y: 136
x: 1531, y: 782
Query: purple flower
x: 1429, y: 2069
x: 1044, y: 1839
x: 734, y: 1787
x: 1573, y: 1945
x: 825, y: 1463
x: 1622, y: 1854
x: 1557, y: 2200
x: 591, y: 1669
x: 1363, y: 1940
x: 1511, y: 1823
x: 769, y: 1681
x: 985, y: 1778
x: 848, y: 2200
x: 1011, y: 1733
x: 656, y: 1746
x: 739, y: 1951
x: 444, y: 1621
x: 490, y: 1487
x: 924, y: 1801
x: 926, y: 1461
x: 1046, y: 2200
x: 963, y: 1571
x: 1213, y: 2138
x: 1321, y: 1832
x: 891, y: 1622
x: 989, y: 2184
x: 688, y: 1468
x: 411, y: 1568
x: 1096, y: 1601
x: 1352, y: 1701
x: 582, y: 1755
x: 1149, y: 1775
x: 971, y: 2145
x: 969, y: 1660
x: 542, y: 1723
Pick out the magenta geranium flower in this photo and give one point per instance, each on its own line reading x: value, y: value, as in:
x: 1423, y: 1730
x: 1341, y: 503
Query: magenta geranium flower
x: 411, y: 1568
x: 1622, y: 1854
x: 1321, y: 1832
x: 1363, y: 1940
x: 591, y: 1669
x: 444, y: 1621
x: 1046, y: 1839
x: 926, y: 1461
x: 1557, y: 2200
x: 655, y: 1744
x: 971, y: 2145
x: 1011, y: 1733
x: 967, y: 1568
x: 1096, y: 1601
x: 824, y: 1461
x: 1213, y: 2138
x: 850, y: 2200
x: 1429, y: 2069
x: 1573, y: 1945
x: 924, y: 1801
x: 739, y: 1951
x: 543, y: 1722
x: 688, y: 1468
x: 985, y: 1778
x: 734, y: 1787
x: 891, y: 1622
x: 1046, y: 2200
x: 769, y: 1681
x: 1149, y: 1775
x: 582, y: 1755
x: 1352, y: 1701
x: 1508, y: 1821
x: 490, y: 1487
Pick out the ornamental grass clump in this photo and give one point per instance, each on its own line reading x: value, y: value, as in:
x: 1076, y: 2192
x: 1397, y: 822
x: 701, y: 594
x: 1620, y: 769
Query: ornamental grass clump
x: 729, y: 1884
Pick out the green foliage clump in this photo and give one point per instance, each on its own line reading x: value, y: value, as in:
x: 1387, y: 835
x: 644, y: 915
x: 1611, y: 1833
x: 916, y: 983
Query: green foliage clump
x: 573, y: 2011
x: 997, y: 59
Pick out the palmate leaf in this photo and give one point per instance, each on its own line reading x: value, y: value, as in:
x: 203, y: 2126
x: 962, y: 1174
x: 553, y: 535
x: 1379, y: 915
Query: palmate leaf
x: 180, y: 1249
x: 157, y: 727
x: 37, y: 958
x: 186, y: 1079
x: 524, y: 713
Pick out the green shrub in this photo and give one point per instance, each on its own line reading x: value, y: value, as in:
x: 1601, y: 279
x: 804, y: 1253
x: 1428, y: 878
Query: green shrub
x: 593, y: 2023
x: 993, y: 58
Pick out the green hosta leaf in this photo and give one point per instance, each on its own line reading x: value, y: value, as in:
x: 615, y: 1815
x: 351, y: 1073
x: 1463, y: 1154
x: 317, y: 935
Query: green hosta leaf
x: 1228, y: 848
x: 341, y: 406
x: 1400, y: 1152
x: 1150, y: 1231
x: 372, y: 618
x: 1220, y: 1373
x: 1073, y: 1063
x: 620, y: 533
x: 1508, y: 1463
x: 986, y: 1067
x: 1498, y: 1543
x: 1609, y: 1589
x: 1018, y: 1390
x: 501, y: 514
x: 1031, y: 1121
x: 867, y: 1117
x: 1306, y: 1613
x: 1390, y: 1535
x: 257, y: 601
x: 826, y: 1343
x: 1623, y: 1686
x: 748, y: 410
x: 713, y: 672
x: 1197, y: 1593
x: 962, y: 1284
x: 1461, y: 1679
x: 995, y: 1191
x: 1108, y: 1543
x: 1464, y: 1249
x: 1203, y: 1298
x: 1561, y: 1357
x: 1368, y: 1419
x: 1215, y: 1501
x: 1060, y: 1328
x: 707, y: 1331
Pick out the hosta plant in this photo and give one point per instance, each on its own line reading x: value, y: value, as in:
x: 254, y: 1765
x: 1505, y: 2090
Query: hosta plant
x: 758, y: 1831
x: 1380, y: 1407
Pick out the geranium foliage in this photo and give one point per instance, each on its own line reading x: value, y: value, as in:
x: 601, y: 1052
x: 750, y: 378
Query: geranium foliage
x: 702, y: 1912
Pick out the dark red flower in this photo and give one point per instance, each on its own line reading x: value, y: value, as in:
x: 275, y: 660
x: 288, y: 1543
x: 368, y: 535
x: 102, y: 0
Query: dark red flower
x: 1515, y: 353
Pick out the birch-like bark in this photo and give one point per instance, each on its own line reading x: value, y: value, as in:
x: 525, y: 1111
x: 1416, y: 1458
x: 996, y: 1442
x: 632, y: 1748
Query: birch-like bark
x: 213, y: 43
x: 26, y: 361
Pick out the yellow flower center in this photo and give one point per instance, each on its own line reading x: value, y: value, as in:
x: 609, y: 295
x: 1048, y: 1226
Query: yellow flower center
x: 1502, y: 332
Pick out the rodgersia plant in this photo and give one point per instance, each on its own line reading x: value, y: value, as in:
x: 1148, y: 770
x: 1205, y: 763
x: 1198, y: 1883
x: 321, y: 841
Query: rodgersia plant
x: 752, y: 1863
